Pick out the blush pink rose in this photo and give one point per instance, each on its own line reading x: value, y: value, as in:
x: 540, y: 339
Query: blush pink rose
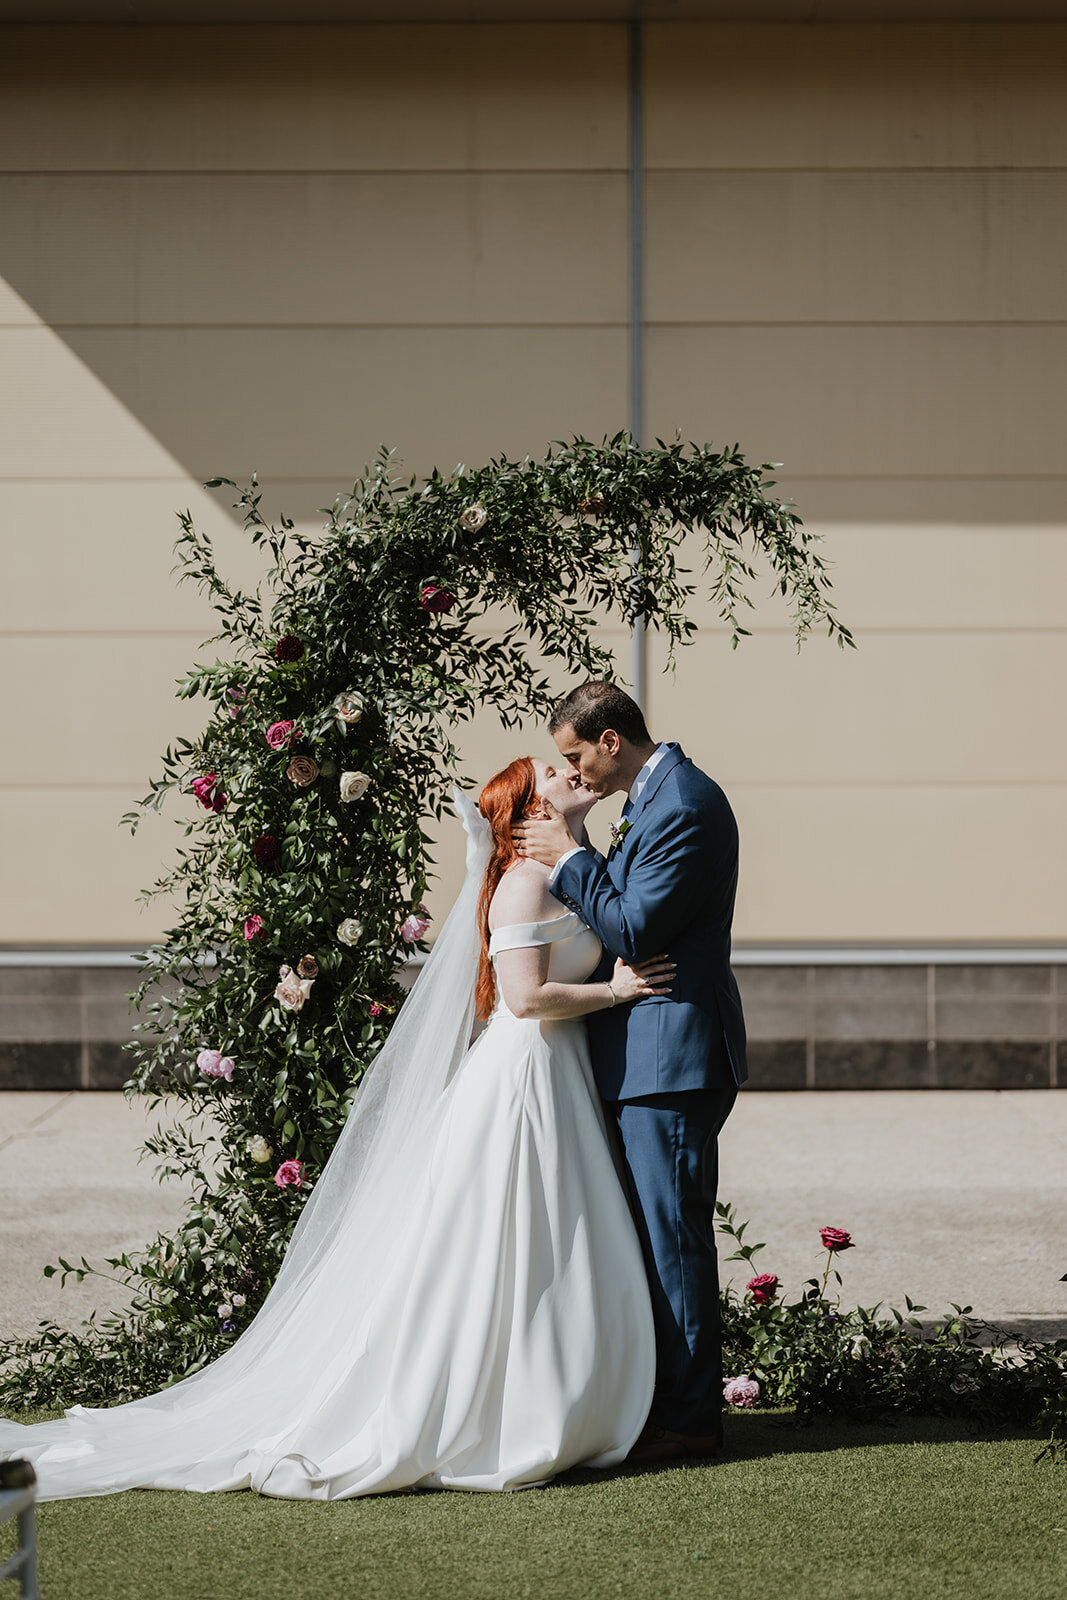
x: 435, y: 599
x: 213, y: 1064
x: 208, y: 791
x: 764, y: 1288
x: 253, y: 928
x: 290, y: 1175
x: 834, y: 1239
x: 415, y: 927
x: 292, y: 991
x: 280, y: 735
x: 742, y: 1391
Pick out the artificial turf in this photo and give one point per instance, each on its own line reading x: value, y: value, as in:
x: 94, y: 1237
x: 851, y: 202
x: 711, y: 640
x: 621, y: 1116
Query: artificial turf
x: 834, y: 1512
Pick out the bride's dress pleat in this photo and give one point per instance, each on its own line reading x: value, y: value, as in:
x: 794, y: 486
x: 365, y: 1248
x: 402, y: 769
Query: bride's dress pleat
x: 480, y: 1321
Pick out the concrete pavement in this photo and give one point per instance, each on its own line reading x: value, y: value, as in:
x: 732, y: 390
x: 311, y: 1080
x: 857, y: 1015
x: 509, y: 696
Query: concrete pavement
x: 949, y: 1195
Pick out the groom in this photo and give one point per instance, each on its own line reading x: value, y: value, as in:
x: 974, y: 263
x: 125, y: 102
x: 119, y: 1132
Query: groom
x: 667, y: 1067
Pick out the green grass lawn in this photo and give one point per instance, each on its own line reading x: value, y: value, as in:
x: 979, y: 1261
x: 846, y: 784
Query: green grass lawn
x: 835, y: 1512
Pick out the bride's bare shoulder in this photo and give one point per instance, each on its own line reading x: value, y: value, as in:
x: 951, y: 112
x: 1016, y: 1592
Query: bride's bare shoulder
x: 522, y: 896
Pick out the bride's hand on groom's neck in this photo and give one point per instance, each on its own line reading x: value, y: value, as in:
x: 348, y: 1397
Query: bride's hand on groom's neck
x: 546, y: 839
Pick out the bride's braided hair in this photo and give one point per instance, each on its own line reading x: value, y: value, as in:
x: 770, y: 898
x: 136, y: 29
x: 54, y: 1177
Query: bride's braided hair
x: 507, y: 799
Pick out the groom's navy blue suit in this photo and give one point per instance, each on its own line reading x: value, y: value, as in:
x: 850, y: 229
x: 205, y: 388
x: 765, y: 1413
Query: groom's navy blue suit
x: 668, y: 1066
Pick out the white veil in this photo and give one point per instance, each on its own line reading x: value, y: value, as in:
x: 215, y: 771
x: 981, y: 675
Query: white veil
x: 337, y: 1260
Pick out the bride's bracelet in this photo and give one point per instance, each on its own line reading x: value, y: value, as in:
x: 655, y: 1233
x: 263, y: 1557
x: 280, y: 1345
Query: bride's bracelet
x: 612, y: 993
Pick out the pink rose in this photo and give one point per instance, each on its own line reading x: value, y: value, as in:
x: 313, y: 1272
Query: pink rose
x: 236, y: 696
x: 415, y: 927
x: 253, y: 928
x: 302, y: 770
x: 835, y: 1239
x: 213, y: 1064
x: 292, y: 991
x: 435, y: 599
x: 290, y: 1174
x: 764, y: 1288
x: 280, y: 735
x: 209, y: 792
x: 743, y: 1391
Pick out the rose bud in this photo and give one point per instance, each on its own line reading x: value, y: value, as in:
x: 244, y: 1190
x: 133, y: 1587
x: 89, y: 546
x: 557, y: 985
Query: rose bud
x: 253, y: 928
x: 289, y: 648
x: 435, y: 599
x: 835, y: 1239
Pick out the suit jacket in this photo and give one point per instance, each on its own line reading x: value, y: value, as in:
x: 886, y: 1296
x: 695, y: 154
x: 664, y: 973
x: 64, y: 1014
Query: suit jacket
x: 669, y: 887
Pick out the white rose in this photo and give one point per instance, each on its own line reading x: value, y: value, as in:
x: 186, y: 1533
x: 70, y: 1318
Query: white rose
x: 350, y: 931
x: 259, y: 1149
x: 225, y: 1310
x: 474, y: 518
x: 354, y: 785
x: 238, y: 1299
x: 348, y: 708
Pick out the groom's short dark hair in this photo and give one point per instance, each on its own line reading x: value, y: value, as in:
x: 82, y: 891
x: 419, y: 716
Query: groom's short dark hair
x: 593, y: 706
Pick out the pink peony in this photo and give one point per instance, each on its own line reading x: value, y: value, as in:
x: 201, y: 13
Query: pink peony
x: 290, y: 1174
x: 415, y: 927
x: 764, y: 1288
x: 280, y: 735
x: 434, y: 599
x: 253, y: 928
x: 835, y: 1239
x: 213, y: 1064
x: 742, y: 1391
x: 209, y: 792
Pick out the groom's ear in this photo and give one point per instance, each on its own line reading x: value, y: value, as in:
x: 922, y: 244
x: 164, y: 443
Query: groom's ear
x: 610, y: 742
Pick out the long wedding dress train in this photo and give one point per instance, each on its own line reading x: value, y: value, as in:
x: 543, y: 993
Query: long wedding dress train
x: 468, y: 1309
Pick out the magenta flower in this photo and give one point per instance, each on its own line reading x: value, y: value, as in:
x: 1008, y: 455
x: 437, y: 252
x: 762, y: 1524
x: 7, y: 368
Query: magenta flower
x: 435, y: 599
x: 253, y: 928
x: 290, y: 1175
x: 742, y: 1391
x: 280, y: 735
x: 375, y: 1009
x: 213, y: 1064
x: 764, y: 1288
x: 208, y: 791
x: 835, y: 1239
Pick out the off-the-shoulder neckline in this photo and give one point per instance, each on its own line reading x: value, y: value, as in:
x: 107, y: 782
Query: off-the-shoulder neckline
x: 538, y: 922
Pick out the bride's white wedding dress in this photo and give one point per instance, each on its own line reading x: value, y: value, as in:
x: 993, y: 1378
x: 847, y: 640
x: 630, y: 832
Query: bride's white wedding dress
x: 468, y: 1310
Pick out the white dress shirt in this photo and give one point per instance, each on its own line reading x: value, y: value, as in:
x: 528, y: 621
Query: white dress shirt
x: 637, y: 788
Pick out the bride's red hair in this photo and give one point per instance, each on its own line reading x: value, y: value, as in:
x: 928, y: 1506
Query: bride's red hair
x: 506, y: 800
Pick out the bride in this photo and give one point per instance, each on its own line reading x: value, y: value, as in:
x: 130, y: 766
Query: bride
x: 463, y: 1303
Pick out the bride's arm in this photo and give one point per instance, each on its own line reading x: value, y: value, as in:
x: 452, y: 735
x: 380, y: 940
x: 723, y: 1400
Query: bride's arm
x: 523, y: 896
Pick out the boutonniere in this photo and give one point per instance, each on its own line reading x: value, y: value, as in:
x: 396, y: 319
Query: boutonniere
x: 619, y: 830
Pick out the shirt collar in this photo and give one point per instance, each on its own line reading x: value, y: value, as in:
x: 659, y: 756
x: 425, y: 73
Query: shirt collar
x: 638, y: 785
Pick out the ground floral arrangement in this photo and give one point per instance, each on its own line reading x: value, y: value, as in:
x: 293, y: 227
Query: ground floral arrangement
x: 822, y: 1360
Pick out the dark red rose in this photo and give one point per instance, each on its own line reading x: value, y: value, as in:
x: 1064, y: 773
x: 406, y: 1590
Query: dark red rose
x: 764, y: 1288
x: 290, y: 648
x: 834, y: 1239
x: 266, y: 849
x: 434, y: 599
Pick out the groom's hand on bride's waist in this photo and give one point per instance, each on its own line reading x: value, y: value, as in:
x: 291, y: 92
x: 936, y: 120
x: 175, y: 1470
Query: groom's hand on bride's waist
x: 545, y: 840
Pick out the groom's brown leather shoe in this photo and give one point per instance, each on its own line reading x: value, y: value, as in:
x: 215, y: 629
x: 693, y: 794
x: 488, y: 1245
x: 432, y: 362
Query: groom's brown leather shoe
x: 660, y: 1444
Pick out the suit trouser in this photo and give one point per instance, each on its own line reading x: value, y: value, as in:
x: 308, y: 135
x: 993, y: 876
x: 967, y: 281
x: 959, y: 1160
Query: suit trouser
x: 671, y: 1159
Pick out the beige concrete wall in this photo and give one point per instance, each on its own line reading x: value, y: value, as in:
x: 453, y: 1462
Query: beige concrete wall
x: 225, y: 250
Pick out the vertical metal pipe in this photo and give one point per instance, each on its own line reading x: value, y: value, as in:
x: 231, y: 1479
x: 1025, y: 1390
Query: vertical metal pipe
x: 638, y: 642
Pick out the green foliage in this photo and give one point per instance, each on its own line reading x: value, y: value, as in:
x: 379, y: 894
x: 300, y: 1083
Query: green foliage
x: 532, y: 552
x: 819, y: 1360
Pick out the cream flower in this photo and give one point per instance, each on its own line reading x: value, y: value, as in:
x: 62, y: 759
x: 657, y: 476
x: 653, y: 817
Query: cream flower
x: 354, y: 785
x: 350, y: 932
x: 475, y: 517
x: 348, y: 708
x: 292, y: 991
x: 258, y: 1148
